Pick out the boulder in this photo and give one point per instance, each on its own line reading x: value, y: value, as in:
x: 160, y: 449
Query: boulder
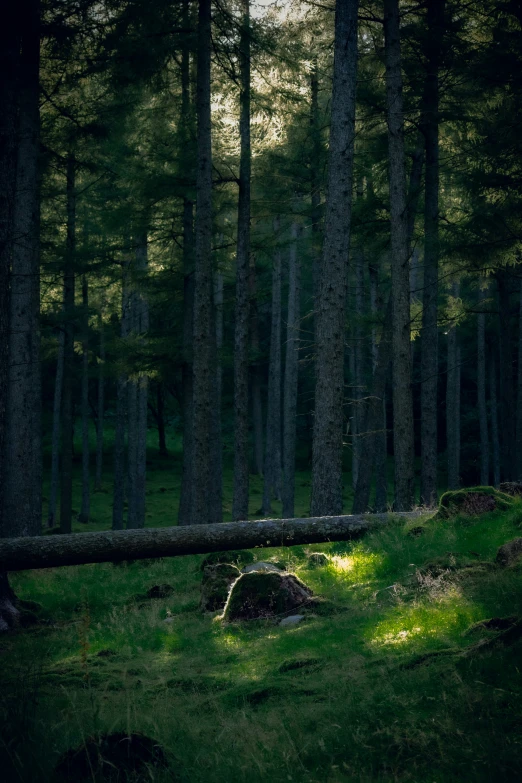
x: 264, y: 594
x: 239, y: 557
x: 261, y: 565
x: 513, y: 488
x: 293, y: 619
x: 215, y: 586
x: 509, y: 554
x: 317, y: 560
x: 472, y: 502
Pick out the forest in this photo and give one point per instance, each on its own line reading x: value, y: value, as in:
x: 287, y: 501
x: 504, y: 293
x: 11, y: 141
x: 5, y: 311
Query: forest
x: 261, y: 390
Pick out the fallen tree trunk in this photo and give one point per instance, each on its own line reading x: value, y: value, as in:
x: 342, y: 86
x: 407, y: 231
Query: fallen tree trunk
x: 20, y: 554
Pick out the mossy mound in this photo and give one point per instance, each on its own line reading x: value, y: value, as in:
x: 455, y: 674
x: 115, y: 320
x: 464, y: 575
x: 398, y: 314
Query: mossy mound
x: 215, y: 586
x: 238, y: 557
x: 112, y: 757
x: 472, y: 502
x: 512, y: 488
x: 260, y: 595
x: 509, y: 553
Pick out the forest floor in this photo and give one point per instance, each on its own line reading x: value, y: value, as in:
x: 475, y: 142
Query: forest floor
x: 358, y: 695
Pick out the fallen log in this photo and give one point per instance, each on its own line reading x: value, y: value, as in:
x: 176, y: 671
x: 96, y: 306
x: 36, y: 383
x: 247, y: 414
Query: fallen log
x: 20, y: 554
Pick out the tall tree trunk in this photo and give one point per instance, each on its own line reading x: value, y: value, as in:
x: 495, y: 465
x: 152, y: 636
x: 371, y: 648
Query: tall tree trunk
x: 359, y: 351
x: 68, y: 375
x: 453, y: 405
x: 121, y: 414
x: 403, y: 441
x: 55, y: 443
x: 429, y: 356
x: 493, y: 407
x: 315, y: 180
x: 86, y: 479
x: 23, y: 468
x: 273, y: 467
x: 138, y: 394
x: 327, y: 489
x: 187, y: 380
x: 242, y: 315
x: 519, y: 392
x: 507, y: 395
x: 293, y: 325
x: 481, y: 390
x: 379, y: 455
x: 257, y: 408
x: 101, y: 406
x: 216, y: 506
x: 203, y: 323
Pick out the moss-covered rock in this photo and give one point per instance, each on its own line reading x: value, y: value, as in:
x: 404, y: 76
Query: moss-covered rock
x: 513, y: 488
x: 472, y: 502
x: 509, y: 553
x: 261, y: 595
x: 238, y: 557
x: 215, y: 586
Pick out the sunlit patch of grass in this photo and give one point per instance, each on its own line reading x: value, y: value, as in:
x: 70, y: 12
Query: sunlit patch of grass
x: 359, y: 565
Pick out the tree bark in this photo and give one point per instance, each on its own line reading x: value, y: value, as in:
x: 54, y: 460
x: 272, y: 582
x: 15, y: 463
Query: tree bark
x: 203, y: 323
x: 121, y: 414
x: 453, y: 405
x: 507, y: 395
x: 293, y: 326
x: 519, y: 392
x: 315, y: 181
x: 481, y: 391
x: 273, y: 467
x: 359, y: 354
x: 493, y: 403
x: 327, y: 482
x: 55, y: 443
x: 101, y: 406
x: 242, y: 315
x: 19, y: 554
x: 380, y: 450
x: 86, y: 479
x: 187, y: 380
x: 257, y: 407
x: 22, y: 477
x: 68, y: 375
x: 429, y: 349
x: 403, y: 441
x: 216, y: 506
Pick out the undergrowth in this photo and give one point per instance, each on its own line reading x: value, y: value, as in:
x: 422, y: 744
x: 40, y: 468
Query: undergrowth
x: 352, y: 696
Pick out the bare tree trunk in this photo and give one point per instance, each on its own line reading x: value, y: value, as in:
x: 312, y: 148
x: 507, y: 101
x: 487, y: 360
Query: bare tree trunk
x: 327, y: 489
x: 242, y: 315
x: 507, y: 393
x: 403, y: 441
x: 23, y: 468
x: 101, y: 406
x: 121, y: 415
x: 68, y: 376
x: 519, y: 392
x: 216, y: 506
x: 359, y: 359
x: 315, y: 180
x: 188, y: 133
x: 380, y: 439
x: 493, y: 407
x: 429, y: 358
x: 453, y: 405
x: 273, y: 466
x: 257, y: 408
x: 481, y: 391
x: 203, y: 325
x: 86, y: 497
x: 293, y: 326
x: 138, y: 394
x: 55, y: 443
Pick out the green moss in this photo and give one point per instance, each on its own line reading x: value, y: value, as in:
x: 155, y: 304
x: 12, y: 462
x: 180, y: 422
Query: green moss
x: 262, y: 594
x: 472, y: 501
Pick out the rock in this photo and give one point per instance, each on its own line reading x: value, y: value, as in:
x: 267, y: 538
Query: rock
x: 472, y: 502
x: 317, y: 559
x: 112, y: 757
x: 239, y: 557
x: 513, y: 488
x: 293, y: 619
x: 261, y: 566
x: 509, y: 554
x: 260, y: 594
x: 215, y: 586
x: 160, y: 591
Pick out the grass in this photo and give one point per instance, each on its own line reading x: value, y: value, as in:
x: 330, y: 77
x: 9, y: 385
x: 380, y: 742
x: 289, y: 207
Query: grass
x: 336, y: 698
